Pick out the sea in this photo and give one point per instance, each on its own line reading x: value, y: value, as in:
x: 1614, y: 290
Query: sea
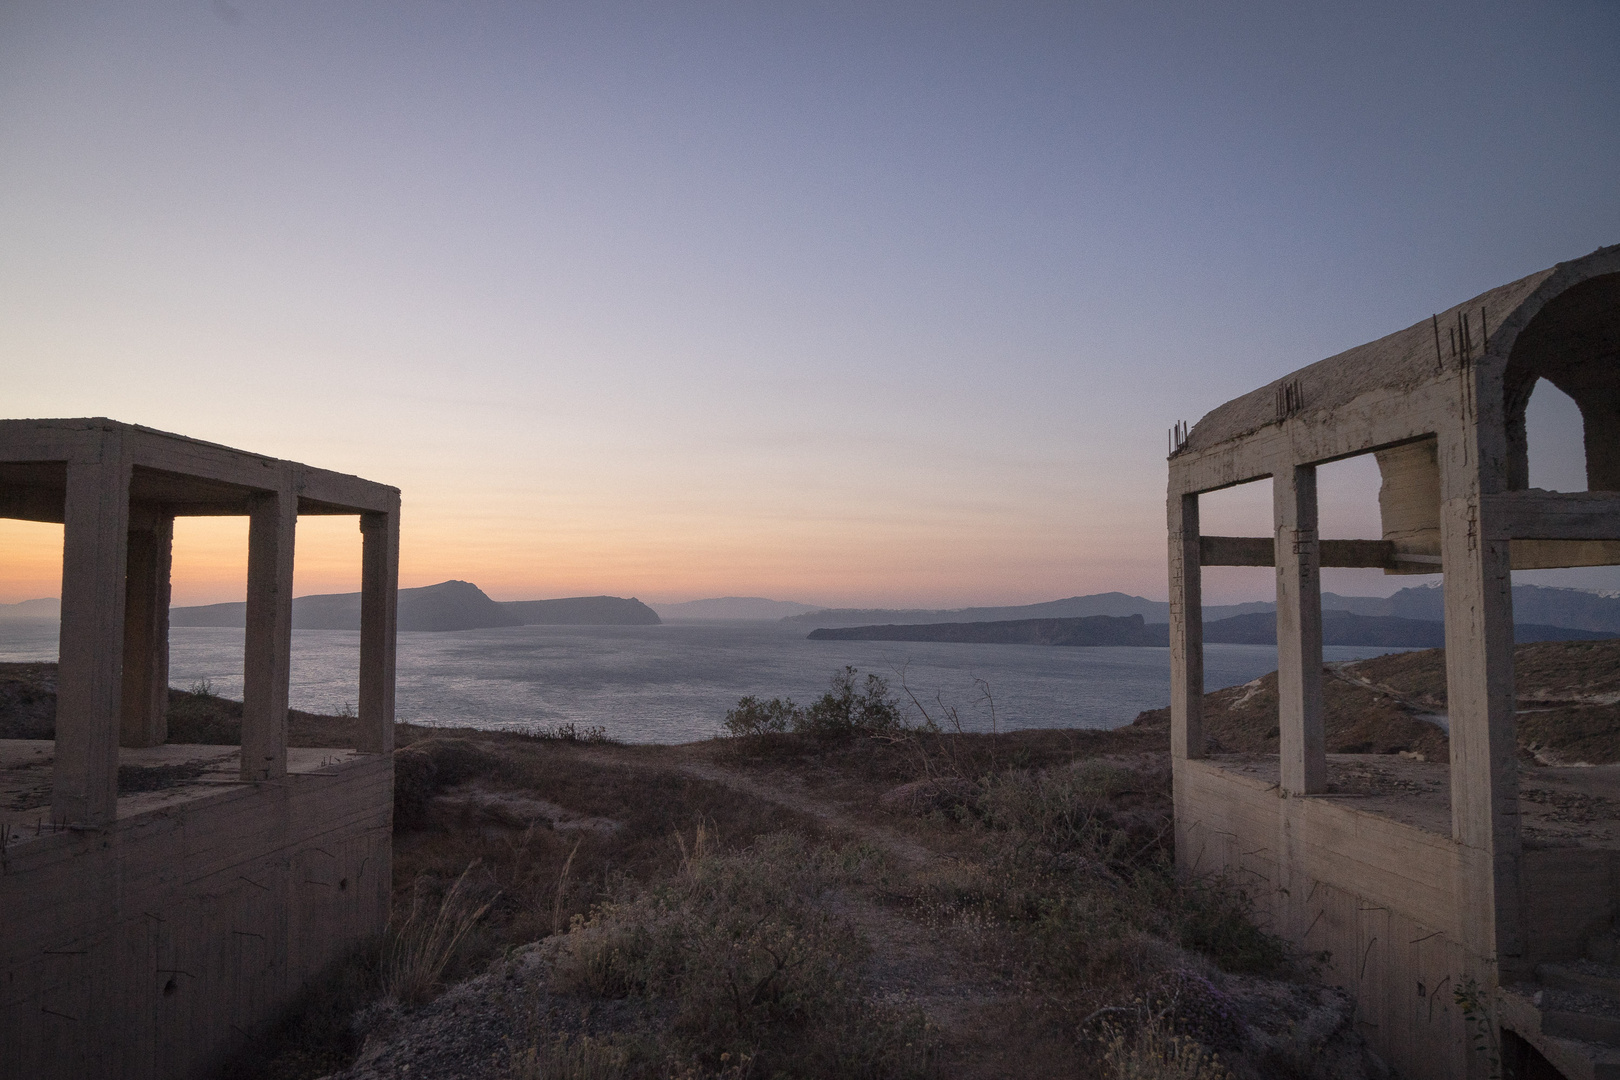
x: 674, y: 683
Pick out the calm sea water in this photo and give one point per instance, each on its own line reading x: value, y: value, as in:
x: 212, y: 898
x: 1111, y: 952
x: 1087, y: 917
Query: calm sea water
x: 674, y: 683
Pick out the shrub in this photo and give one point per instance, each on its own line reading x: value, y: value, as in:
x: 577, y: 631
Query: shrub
x: 845, y: 710
x: 849, y: 708
x: 755, y: 717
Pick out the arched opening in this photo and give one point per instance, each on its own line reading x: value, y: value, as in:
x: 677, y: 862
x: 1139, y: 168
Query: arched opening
x: 1555, y: 443
x: 1574, y: 344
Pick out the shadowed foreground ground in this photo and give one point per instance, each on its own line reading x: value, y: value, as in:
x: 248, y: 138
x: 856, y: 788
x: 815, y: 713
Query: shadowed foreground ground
x: 853, y: 899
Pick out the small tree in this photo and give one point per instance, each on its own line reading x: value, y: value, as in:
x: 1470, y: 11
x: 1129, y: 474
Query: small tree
x: 755, y: 717
x: 853, y: 706
x: 846, y: 710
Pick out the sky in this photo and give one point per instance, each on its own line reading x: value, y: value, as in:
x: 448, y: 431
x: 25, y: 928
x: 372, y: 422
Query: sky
x: 846, y: 303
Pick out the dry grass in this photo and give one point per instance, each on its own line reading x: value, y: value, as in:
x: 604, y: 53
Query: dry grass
x: 1155, y: 1051
x: 755, y: 961
x: 417, y: 951
x: 717, y: 929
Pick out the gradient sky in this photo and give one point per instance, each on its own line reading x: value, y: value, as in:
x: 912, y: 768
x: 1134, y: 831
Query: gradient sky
x: 847, y: 303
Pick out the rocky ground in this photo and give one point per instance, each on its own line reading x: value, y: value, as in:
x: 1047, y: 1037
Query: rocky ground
x: 1568, y: 698
x: 961, y: 967
x: 880, y: 903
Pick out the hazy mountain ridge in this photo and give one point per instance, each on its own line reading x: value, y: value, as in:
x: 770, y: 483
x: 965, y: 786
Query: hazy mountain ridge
x: 1253, y: 628
x: 1533, y: 605
x: 1088, y: 630
x: 48, y: 607
x: 733, y: 607
x: 583, y: 611
x: 449, y: 605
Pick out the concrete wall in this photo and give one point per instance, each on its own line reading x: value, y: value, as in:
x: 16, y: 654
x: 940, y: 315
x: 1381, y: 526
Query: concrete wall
x: 1347, y: 890
x: 162, y: 943
x: 1385, y: 899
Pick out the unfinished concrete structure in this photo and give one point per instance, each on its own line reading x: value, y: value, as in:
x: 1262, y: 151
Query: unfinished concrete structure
x: 154, y: 934
x: 1415, y: 905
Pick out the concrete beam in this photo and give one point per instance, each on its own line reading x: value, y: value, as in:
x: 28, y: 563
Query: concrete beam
x: 1260, y: 551
x: 1553, y: 515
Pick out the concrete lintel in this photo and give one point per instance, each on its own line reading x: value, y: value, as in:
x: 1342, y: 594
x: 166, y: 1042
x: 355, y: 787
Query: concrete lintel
x: 1553, y: 515
x: 1376, y: 421
x: 1260, y: 551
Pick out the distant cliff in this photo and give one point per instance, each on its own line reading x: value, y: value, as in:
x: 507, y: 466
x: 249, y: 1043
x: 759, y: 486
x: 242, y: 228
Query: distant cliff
x: 1114, y: 604
x: 1534, y: 605
x: 1090, y: 630
x: 449, y: 605
x: 1256, y: 628
x: 752, y: 608
x: 583, y: 611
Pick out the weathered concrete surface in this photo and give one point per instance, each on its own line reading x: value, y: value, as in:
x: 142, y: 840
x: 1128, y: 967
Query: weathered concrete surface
x: 160, y: 944
x: 150, y: 935
x: 1441, y: 404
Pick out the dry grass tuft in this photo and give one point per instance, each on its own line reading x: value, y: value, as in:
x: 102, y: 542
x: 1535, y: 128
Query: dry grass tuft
x: 1155, y: 1051
x: 417, y: 951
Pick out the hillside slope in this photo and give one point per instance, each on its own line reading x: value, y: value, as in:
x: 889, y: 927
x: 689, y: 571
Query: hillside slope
x: 1568, y: 706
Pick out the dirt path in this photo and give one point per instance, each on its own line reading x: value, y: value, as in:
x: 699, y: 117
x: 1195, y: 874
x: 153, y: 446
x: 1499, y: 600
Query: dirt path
x: 912, y: 964
x: 898, y: 847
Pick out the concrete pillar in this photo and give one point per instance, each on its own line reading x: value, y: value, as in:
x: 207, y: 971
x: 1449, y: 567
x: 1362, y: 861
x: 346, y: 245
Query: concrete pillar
x: 146, y: 632
x: 1299, y: 631
x: 267, y: 651
x: 84, y: 787
x: 1480, y: 701
x: 1186, y: 631
x: 379, y: 598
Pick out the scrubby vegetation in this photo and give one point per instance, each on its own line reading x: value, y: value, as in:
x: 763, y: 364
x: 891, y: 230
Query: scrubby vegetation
x: 761, y: 973
x: 851, y: 707
x: 827, y: 892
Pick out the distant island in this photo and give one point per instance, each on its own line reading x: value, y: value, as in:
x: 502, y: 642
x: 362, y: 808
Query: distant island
x: 1089, y: 630
x: 1533, y: 606
x: 740, y: 608
x: 45, y: 608
x: 449, y: 605
x: 1255, y: 628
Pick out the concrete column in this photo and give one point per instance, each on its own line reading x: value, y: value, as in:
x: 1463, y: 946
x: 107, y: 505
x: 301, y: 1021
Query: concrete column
x: 84, y: 787
x: 146, y: 632
x: 1299, y: 631
x: 1480, y: 701
x: 1186, y: 631
x: 379, y: 599
x: 267, y: 652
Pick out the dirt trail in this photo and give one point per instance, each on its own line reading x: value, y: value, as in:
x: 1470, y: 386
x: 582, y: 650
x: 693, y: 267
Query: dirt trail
x: 912, y: 964
x: 907, y: 851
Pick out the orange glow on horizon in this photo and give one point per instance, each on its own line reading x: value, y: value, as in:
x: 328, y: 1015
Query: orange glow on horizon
x: 854, y: 563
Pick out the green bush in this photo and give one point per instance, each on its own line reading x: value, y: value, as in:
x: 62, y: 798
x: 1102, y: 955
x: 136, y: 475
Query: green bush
x: 755, y: 717
x: 851, y: 707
